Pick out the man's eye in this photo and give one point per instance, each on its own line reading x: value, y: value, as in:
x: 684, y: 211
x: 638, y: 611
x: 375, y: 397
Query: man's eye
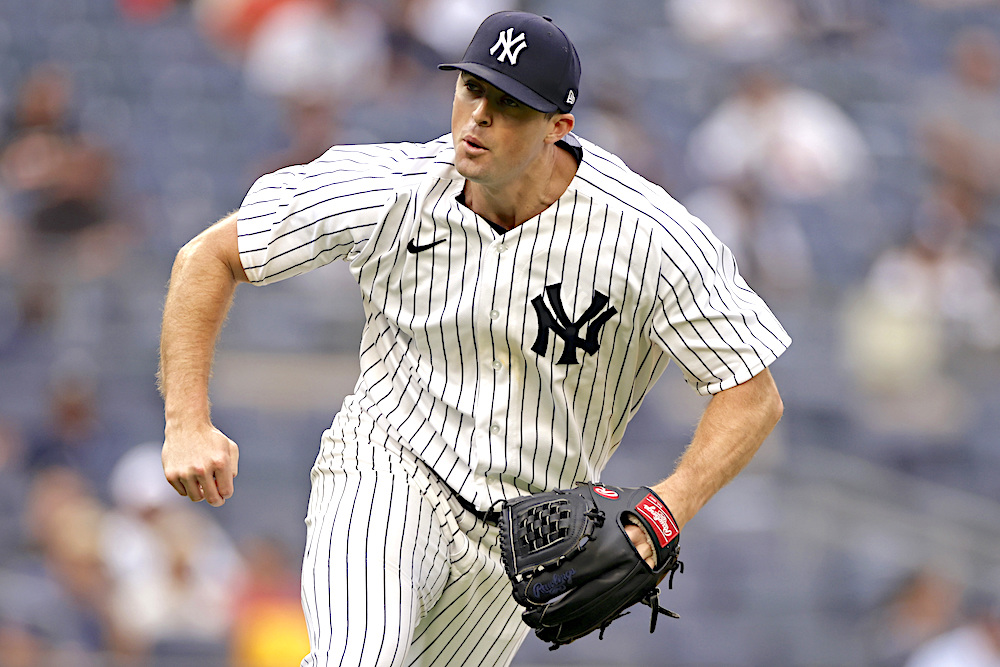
x: 510, y: 102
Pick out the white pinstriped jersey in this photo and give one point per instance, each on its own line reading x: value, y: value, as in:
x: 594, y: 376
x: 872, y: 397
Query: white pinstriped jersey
x: 513, y: 362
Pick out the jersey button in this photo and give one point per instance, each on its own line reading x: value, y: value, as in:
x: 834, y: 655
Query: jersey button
x: 494, y: 314
x: 495, y: 429
x: 497, y: 365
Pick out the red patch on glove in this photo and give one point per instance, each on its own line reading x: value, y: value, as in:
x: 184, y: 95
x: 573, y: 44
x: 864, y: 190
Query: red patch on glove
x: 656, y: 513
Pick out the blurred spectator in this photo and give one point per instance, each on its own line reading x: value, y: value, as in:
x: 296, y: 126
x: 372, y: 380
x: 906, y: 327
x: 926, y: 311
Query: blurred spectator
x: 172, y: 568
x: 61, y: 605
x: 269, y: 629
x: 737, y: 30
x: 976, y: 643
x: 958, y: 115
x: 73, y: 557
x: 336, y: 51
x: 38, y: 133
x: 923, y: 605
x: 941, y: 275
x: 795, y: 142
x: 769, y: 244
x: 60, y: 184
x: 73, y: 434
x: 923, y: 303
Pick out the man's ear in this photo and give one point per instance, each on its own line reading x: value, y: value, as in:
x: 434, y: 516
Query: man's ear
x: 562, y: 124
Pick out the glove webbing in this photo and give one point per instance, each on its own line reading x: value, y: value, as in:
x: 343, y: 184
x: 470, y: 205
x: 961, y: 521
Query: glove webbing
x: 546, y: 524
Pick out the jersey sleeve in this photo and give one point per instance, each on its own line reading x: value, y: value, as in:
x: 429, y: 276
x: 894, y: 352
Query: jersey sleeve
x: 711, y: 323
x: 302, y: 217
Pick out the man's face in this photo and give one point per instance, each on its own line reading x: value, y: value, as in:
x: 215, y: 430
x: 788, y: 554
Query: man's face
x: 496, y: 137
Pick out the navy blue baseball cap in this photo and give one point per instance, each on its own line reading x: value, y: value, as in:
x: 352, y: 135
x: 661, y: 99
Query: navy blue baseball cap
x: 526, y: 56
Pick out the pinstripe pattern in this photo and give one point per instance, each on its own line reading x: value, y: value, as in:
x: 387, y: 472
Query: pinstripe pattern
x: 476, y: 353
x: 396, y: 572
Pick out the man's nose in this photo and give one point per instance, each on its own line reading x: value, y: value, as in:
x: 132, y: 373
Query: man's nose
x: 482, y: 114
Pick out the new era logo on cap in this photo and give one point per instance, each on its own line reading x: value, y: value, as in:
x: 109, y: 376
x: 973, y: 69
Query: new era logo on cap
x: 528, y: 57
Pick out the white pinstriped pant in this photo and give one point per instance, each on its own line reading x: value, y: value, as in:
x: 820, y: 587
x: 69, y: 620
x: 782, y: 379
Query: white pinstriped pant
x: 396, y: 572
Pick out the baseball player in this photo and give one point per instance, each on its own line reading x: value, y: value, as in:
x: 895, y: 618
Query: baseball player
x: 522, y: 292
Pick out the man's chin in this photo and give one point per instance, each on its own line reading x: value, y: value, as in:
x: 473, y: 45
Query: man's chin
x: 468, y: 169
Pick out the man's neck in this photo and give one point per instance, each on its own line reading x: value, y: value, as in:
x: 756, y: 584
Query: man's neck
x: 514, y: 204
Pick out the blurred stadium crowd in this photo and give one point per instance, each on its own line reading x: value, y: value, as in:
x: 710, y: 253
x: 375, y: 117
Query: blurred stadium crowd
x: 848, y: 151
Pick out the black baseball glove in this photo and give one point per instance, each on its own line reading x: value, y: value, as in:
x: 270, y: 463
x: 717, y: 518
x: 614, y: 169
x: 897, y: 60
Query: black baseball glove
x: 572, y: 564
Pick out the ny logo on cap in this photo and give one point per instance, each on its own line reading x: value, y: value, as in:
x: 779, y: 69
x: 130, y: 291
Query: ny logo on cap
x: 512, y: 46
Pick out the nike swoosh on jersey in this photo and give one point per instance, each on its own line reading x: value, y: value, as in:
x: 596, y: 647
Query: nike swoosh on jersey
x: 414, y: 248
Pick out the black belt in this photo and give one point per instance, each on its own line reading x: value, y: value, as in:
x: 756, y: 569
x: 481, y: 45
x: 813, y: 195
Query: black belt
x: 490, y: 516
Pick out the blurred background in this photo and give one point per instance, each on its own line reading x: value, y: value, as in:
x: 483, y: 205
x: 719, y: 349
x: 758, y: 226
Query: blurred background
x: 848, y: 151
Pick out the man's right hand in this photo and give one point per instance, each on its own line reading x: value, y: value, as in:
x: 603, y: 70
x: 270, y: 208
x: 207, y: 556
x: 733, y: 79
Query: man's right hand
x: 198, y: 460
x: 201, y: 465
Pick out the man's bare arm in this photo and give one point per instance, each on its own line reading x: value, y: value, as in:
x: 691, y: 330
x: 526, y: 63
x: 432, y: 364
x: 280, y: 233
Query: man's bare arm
x: 732, y: 428
x: 198, y: 460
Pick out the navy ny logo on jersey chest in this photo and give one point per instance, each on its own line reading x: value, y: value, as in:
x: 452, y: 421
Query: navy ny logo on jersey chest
x: 552, y: 318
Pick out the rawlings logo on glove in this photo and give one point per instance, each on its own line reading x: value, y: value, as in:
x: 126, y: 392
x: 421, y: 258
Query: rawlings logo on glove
x: 659, y: 517
x: 573, y: 566
x: 559, y: 585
